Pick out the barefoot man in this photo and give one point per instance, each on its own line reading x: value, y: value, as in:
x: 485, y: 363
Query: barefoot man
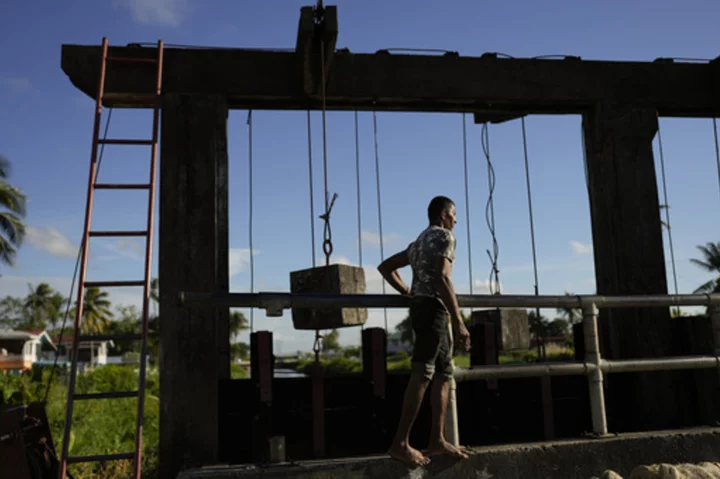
x: 433, y: 304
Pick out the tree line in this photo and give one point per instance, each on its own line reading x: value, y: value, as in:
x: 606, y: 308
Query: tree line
x: 44, y: 308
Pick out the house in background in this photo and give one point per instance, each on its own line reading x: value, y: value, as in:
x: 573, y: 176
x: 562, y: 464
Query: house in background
x: 90, y: 353
x: 20, y: 350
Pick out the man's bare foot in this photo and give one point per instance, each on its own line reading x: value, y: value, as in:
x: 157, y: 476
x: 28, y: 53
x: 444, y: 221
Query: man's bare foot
x: 408, y: 455
x: 444, y: 448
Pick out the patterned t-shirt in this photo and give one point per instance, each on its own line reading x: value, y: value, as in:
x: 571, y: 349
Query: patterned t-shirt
x: 434, y: 241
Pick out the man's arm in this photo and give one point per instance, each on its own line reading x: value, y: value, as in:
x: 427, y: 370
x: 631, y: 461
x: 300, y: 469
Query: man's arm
x: 447, y: 294
x: 388, y: 270
x: 445, y: 288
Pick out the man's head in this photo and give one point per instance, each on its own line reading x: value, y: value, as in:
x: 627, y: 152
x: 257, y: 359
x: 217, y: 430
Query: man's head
x: 441, y: 212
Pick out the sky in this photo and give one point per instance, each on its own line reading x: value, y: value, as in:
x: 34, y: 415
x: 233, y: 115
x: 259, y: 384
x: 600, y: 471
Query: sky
x: 46, y: 128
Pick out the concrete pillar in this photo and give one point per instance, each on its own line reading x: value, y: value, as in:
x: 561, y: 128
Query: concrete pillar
x: 193, y: 256
x: 629, y: 257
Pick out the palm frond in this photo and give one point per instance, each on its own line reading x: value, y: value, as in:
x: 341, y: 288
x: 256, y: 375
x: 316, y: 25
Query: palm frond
x: 706, y: 288
x: 4, y: 167
x: 12, y: 198
x: 12, y: 227
x: 7, y: 252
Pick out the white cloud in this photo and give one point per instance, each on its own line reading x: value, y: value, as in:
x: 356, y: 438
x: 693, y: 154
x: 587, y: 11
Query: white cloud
x: 129, y: 248
x: 371, y: 238
x: 581, y: 248
x: 155, y: 12
x: 239, y: 260
x: 15, y: 83
x: 52, y: 241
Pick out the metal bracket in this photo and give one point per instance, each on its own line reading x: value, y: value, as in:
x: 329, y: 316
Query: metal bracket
x: 317, y: 29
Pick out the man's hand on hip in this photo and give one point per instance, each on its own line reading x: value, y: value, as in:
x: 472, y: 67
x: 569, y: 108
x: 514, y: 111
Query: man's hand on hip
x: 462, y: 336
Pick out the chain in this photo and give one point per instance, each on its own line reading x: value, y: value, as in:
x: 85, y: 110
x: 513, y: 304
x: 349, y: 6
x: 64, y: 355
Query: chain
x: 327, y: 234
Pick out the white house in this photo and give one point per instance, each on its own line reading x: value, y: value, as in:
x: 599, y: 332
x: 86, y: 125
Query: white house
x: 19, y: 350
x: 90, y: 353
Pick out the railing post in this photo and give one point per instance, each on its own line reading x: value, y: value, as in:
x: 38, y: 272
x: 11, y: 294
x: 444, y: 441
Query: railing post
x: 452, y: 434
x: 595, y: 378
x: 713, y: 311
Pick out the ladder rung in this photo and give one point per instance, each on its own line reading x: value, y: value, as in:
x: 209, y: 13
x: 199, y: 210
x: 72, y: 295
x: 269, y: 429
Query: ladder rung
x: 130, y: 99
x: 110, y: 395
x: 111, y: 284
x: 101, y: 457
x: 122, y: 186
x: 111, y: 337
x: 131, y: 60
x: 117, y: 233
x: 111, y: 141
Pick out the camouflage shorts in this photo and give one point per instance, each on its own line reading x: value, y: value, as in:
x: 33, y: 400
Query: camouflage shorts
x: 433, y: 349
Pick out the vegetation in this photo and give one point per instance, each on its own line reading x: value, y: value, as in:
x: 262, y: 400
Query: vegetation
x: 12, y: 212
x: 99, y: 427
x: 710, y: 262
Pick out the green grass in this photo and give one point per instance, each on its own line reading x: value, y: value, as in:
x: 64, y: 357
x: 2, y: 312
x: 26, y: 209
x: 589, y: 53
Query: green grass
x: 99, y: 427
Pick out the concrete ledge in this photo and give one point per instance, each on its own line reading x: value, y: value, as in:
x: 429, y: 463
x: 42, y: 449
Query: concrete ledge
x: 581, y: 459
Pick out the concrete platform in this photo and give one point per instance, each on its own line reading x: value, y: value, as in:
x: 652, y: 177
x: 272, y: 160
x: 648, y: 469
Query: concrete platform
x: 581, y: 459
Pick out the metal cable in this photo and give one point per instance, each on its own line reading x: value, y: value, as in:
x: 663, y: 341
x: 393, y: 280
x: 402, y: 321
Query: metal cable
x: 250, y: 215
x: 312, y: 194
x: 493, y: 287
x: 77, y: 266
x: 667, y: 208
x: 717, y: 149
x: 530, y: 212
x: 379, y: 204
x: 324, y: 131
x: 467, y: 201
x: 357, y: 178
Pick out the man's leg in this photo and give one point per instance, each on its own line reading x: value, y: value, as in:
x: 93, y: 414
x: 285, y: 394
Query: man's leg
x: 439, y: 400
x: 401, y: 449
x: 425, y: 352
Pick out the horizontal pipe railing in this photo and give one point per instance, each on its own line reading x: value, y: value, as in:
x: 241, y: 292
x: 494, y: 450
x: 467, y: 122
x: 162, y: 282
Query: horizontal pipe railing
x: 584, y: 368
x: 275, y: 302
x: 594, y: 366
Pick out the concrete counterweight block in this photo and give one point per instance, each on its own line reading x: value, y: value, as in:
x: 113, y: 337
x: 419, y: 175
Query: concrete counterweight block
x: 333, y: 279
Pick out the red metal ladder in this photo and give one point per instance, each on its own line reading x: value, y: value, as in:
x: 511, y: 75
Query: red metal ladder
x: 136, y: 455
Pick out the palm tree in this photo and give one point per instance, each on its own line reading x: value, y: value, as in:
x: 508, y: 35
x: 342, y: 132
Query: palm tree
x: 155, y: 294
x: 96, y: 311
x: 12, y: 210
x: 573, y: 315
x: 238, y: 322
x: 710, y: 263
x: 41, y: 306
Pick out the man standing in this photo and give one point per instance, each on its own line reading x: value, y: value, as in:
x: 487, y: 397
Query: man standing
x: 433, y: 304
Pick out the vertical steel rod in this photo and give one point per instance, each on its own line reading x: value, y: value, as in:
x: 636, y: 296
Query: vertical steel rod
x: 595, y: 378
x: 452, y: 433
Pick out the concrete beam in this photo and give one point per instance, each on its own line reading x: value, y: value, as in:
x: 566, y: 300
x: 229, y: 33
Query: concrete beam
x: 262, y: 79
x: 193, y: 253
x: 629, y: 257
x: 548, y: 460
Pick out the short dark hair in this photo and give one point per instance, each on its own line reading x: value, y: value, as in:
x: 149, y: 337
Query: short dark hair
x: 438, y: 205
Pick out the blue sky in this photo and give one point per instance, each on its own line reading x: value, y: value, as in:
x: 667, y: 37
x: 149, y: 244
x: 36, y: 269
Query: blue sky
x: 46, y: 125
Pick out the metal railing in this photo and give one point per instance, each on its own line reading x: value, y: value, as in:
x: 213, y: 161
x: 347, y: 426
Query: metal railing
x: 594, y: 366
